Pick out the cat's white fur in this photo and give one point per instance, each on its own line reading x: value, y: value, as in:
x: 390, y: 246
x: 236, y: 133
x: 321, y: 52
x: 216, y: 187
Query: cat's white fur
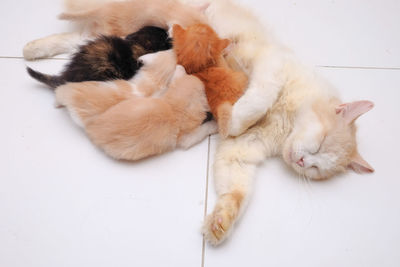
x: 291, y: 112
x: 256, y: 51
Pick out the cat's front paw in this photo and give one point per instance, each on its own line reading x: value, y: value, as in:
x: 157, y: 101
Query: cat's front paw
x: 237, y: 127
x: 217, y: 226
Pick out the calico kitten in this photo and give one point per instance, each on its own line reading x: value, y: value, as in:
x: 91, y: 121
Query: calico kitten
x: 199, y: 50
x: 293, y: 113
x: 129, y: 127
x: 114, y: 18
x: 108, y: 58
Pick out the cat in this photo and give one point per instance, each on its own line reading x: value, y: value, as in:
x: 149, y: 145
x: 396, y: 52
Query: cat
x: 288, y: 110
x: 113, y: 18
x: 108, y: 58
x: 199, y: 50
x: 130, y: 127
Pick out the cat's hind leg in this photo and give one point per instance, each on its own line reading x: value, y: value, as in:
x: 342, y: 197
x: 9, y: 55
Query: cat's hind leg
x: 234, y: 168
x: 53, y: 45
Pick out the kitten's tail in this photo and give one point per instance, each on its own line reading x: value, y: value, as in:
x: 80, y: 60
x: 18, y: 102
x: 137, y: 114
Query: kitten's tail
x: 224, y: 114
x: 51, y: 80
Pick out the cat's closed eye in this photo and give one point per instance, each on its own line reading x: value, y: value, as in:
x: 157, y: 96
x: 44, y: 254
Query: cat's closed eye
x: 319, y: 147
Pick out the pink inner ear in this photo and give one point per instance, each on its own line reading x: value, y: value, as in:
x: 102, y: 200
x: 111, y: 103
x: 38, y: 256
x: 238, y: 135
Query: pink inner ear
x: 351, y: 111
x: 359, y: 165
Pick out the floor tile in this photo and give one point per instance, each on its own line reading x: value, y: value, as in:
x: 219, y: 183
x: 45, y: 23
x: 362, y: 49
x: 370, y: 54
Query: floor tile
x: 336, y: 32
x: 351, y: 220
x: 24, y: 21
x: 65, y: 203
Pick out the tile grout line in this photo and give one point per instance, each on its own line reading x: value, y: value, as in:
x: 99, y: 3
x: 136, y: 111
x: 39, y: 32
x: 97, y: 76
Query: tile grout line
x: 318, y: 66
x: 203, y: 249
x: 358, y: 67
x: 11, y: 57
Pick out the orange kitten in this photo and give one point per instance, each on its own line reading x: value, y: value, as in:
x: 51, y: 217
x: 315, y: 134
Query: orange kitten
x: 199, y: 50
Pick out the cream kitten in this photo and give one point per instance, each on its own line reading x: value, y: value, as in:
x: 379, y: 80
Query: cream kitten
x: 118, y: 18
x: 293, y: 112
x: 129, y: 127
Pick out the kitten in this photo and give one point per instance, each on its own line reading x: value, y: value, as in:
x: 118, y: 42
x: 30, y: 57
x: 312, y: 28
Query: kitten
x: 293, y: 113
x: 129, y: 127
x: 113, y: 18
x: 199, y: 50
x: 108, y: 58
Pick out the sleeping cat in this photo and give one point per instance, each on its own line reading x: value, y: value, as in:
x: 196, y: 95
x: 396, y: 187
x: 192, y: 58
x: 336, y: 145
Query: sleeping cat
x: 114, y: 18
x: 131, y: 127
x: 199, y: 50
x: 108, y: 58
x: 292, y: 112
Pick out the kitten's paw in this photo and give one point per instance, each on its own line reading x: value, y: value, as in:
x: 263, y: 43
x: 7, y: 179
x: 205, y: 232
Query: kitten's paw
x: 33, y: 50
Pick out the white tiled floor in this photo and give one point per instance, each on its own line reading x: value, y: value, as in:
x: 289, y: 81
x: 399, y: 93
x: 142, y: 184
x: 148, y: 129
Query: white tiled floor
x: 64, y: 203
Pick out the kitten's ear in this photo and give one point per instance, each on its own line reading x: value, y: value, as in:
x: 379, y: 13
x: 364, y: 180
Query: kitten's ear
x: 147, y: 58
x: 224, y: 43
x: 179, y: 72
x: 353, y: 110
x: 177, y: 29
x: 359, y: 165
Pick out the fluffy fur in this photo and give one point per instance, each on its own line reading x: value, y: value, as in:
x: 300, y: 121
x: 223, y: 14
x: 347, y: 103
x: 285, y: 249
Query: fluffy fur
x: 199, y: 50
x: 112, y: 18
x: 108, y: 58
x: 292, y: 112
x: 130, y: 127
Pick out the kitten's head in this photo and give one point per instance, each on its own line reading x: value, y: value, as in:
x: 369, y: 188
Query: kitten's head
x: 150, y: 39
x: 157, y: 69
x: 323, y: 141
x: 159, y: 62
x: 197, y: 47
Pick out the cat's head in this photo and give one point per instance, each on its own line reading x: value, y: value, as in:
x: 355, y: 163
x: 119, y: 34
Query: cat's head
x: 197, y: 47
x: 150, y: 39
x: 323, y: 140
x: 159, y: 62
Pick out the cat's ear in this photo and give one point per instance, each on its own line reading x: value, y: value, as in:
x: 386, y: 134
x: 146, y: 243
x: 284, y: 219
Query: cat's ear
x: 177, y: 29
x: 359, y: 165
x: 353, y: 110
x: 147, y: 58
x: 179, y: 72
x: 224, y: 43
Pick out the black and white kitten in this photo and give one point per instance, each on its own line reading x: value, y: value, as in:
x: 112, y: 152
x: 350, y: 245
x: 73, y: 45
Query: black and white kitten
x: 108, y: 57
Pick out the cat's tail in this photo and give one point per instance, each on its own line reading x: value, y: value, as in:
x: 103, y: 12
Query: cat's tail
x: 224, y: 115
x: 51, y: 80
x: 90, y: 15
x: 79, y: 5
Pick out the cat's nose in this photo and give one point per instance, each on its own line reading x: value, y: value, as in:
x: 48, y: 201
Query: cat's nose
x: 300, y: 162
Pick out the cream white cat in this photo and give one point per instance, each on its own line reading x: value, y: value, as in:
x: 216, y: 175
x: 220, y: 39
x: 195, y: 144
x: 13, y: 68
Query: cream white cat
x: 287, y: 111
